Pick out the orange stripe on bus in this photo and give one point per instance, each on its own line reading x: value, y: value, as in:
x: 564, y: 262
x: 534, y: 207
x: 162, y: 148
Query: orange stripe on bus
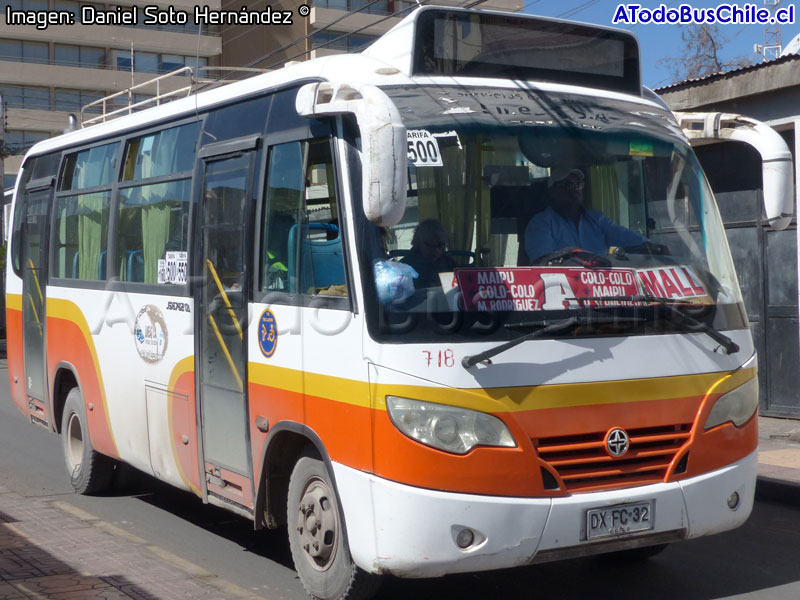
x: 349, y: 430
x: 16, y: 365
x: 66, y: 328
x: 183, y: 421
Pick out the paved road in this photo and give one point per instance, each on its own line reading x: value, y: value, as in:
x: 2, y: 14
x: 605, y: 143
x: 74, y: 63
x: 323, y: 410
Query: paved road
x: 759, y: 561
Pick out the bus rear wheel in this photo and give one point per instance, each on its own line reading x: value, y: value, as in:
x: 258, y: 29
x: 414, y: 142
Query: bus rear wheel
x: 89, y: 471
x: 317, y: 540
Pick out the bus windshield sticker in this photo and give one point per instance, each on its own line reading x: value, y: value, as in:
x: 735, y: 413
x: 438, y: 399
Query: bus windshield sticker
x: 543, y: 288
x: 150, y: 334
x: 673, y: 281
x: 558, y: 288
x: 172, y: 269
x: 423, y: 148
x: 640, y: 148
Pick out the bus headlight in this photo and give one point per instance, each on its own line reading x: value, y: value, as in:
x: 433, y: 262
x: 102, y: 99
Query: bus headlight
x: 448, y: 428
x: 737, y: 406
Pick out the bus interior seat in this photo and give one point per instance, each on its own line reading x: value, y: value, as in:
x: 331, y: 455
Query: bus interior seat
x: 135, y: 264
x: 321, y: 261
x: 517, y: 205
x: 101, y: 265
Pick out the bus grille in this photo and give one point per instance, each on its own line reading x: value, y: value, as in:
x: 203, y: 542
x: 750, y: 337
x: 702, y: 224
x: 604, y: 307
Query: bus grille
x: 583, y: 464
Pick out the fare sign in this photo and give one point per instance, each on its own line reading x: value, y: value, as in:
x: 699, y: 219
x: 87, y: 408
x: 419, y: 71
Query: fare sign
x: 543, y: 288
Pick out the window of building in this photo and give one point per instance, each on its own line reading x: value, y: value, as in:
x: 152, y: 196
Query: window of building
x: 349, y: 43
x: 19, y: 141
x: 384, y: 7
x: 73, y: 100
x: 24, y: 5
x: 24, y: 51
x: 171, y: 62
x: 18, y: 96
x: 79, y: 56
x: 149, y: 62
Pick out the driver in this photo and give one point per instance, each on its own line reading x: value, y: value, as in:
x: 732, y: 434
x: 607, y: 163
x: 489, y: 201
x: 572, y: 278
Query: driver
x: 567, y: 224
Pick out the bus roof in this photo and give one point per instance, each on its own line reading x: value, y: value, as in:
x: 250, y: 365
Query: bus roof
x: 394, y: 60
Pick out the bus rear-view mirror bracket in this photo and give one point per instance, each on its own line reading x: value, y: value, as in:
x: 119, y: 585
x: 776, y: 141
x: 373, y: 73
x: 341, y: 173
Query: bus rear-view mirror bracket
x: 776, y: 158
x: 383, y: 135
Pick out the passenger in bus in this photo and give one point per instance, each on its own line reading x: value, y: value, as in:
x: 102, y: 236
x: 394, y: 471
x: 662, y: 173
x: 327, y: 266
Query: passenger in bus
x: 427, y: 255
x: 566, y: 223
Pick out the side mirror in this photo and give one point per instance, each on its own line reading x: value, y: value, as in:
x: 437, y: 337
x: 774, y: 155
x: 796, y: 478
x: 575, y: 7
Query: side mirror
x: 776, y: 158
x: 384, y: 152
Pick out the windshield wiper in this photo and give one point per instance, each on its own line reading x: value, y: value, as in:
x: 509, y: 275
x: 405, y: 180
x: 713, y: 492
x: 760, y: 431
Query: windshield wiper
x: 689, y: 323
x: 547, y: 328
x: 558, y: 326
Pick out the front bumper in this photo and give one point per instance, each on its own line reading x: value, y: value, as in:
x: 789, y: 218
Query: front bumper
x: 411, y: 532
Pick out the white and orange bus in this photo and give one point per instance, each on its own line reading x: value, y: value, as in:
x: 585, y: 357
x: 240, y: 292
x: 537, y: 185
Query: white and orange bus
x: 339, y: 296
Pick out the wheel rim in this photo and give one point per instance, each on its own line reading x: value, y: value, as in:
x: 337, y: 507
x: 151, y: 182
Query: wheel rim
x: 318, y: 524
x: 74, y: 448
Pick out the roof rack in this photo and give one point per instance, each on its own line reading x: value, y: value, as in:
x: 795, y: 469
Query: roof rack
x: 110, y: 107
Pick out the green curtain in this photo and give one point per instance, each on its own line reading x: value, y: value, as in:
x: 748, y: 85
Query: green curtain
x: 448, y: 194
x: 90, y: 234
x: 155, y: 233
x: 605, y: 192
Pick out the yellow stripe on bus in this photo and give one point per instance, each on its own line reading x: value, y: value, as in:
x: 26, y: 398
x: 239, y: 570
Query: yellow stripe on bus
x: 502, y: 399
x: 14, y: 301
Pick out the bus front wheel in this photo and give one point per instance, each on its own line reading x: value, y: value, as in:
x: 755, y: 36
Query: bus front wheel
x: 89, y: 471
x: 317, y: 540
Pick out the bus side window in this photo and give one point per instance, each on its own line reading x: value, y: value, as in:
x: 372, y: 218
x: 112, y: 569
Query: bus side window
x: 282, y: 204
x: 153, y: 221
x: 302, y: 243
x: 321, y: 259
x: 81, y: 236
x: 82, y: 213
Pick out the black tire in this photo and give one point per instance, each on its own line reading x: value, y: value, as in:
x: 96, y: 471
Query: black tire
x: 89, y: 471
x: 317, y: 538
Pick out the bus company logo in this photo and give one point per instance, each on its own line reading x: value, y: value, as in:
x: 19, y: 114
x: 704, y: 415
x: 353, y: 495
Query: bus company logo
x: 150, y: 334
x: 617, y: 442
x: 268, y: 333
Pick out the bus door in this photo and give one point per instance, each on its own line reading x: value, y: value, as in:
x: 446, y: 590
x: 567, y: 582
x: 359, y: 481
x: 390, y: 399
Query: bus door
x: 221, y: 301
x: 38, y: 193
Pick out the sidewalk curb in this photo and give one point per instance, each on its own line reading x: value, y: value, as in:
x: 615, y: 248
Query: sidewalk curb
x: 230, y: 589
x: 777, y: 490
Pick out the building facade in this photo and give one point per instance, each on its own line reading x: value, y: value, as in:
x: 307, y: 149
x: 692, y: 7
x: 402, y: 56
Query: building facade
x: 46, y: 74
x: 766, y: 261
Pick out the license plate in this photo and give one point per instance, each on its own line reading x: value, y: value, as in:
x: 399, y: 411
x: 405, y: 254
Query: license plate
x: 621, y: 519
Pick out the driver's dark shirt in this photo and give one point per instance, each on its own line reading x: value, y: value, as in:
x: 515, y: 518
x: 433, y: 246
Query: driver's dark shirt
x: 548, y: 231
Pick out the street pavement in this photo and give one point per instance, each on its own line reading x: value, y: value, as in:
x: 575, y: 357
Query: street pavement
x: 51, y: 550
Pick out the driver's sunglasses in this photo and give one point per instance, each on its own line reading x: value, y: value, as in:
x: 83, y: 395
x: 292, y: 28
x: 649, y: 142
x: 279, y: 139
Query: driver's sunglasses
x: 439, y: 245
x: 570, y: 184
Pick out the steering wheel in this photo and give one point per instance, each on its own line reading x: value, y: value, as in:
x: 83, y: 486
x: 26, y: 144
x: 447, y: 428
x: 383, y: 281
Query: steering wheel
x: 573, y: 257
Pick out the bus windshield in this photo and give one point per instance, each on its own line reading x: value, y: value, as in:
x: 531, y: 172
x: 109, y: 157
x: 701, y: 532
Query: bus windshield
x: 524, y: 208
